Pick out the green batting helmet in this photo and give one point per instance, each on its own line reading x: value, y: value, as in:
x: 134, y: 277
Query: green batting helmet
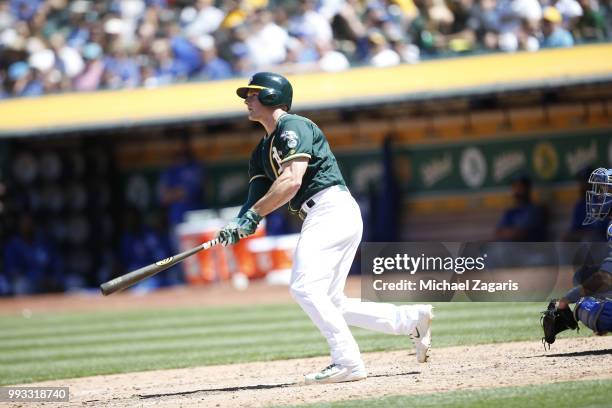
x: 274, y: 89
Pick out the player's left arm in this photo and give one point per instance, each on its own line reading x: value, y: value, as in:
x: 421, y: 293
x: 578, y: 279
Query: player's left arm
x: 284, y: 187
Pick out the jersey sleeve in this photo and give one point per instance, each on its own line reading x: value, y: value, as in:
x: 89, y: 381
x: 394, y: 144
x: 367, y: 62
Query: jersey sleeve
x: 294, y: 140
x: 255, y: 169
x: 258, y: 187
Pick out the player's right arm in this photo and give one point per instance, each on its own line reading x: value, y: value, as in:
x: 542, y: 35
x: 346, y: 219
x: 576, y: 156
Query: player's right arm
x: 294, y: 146
x: 284, y: 187
x: 276, y: 194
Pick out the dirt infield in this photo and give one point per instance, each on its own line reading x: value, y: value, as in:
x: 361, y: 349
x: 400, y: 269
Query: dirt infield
x: 264, y: 384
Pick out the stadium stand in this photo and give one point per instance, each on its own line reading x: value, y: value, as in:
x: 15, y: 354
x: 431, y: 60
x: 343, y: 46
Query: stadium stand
x: 50, y: 46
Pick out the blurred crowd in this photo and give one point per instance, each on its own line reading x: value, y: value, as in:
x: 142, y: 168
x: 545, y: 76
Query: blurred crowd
x: 49, y: 46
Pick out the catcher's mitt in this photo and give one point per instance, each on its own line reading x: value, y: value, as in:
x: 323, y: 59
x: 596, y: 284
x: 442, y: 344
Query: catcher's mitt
x: 555, y: 320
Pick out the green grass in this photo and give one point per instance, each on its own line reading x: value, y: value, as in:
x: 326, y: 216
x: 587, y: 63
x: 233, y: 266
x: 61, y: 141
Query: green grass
x: 577, y: 394
x: 65, y: 345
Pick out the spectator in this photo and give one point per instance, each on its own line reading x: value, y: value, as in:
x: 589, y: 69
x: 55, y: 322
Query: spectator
x: 525, y: 221
x: 570, y: 10
x: 7, y: 19
x: 115, y: 31
x: 591, y: 25
x: 235, y: 15
x: 206, y: 18
x: 91, y: 76
x: 181, y: 190
x: 121, y: 68
x: 78, y: 28
x: 181, y: 185
x: 147, y: 73
x: 242, y: 64
x: 349, y: 31
x: 553, y: 35
x: 409, y: 53
x: 25, y: 10
x: 460, y: 34
x: 375, y: 17
x: 485, y: 22
x: 130, y: 12
x: 69, y: 59
x: 166, y: 247
x: 512, y: 14
x: 304, y: 55
x: 381, y: 55
x: 184, y: 51
x: 425, y: 28
x: 331, y: 60
x: 52, y: 17
x: 267, y: 40
x: 213, y: 66
x: 528, y: 37
x: 31, y: 263
x: 3, y: 93
x: 45, y: 64
x: 168, y: 69
x: 314, y: 25
x: 330, y: 8
x: 26, y: 81
x: 140, y: 245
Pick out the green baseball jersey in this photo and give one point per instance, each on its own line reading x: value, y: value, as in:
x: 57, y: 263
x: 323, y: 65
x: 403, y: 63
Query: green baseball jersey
x: 296, y: 136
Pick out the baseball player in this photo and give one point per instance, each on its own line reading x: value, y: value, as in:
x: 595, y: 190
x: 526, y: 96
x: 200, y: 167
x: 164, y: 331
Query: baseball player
x: 293, y: 164
x: 593, y: 291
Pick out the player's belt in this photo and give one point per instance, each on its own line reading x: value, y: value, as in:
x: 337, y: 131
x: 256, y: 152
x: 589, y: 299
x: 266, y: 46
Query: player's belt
x: 305, y: 208
x: 308, y: 204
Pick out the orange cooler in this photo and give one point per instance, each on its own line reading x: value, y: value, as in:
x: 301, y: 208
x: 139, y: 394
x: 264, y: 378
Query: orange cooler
x: 219, y: 262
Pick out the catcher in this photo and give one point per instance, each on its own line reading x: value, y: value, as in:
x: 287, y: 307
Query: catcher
x: 593, y: 291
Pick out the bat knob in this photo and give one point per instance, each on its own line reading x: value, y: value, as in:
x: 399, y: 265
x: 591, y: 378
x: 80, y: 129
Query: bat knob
x: 106, y: 289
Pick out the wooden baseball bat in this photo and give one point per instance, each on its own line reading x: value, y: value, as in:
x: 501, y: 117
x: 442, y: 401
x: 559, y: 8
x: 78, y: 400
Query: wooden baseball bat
x: 125, y: 281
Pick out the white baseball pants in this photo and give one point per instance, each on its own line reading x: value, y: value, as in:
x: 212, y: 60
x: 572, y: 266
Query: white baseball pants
x: 330, y: 236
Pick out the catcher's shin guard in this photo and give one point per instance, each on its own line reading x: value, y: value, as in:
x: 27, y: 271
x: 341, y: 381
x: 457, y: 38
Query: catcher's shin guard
x: 595, y: 313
